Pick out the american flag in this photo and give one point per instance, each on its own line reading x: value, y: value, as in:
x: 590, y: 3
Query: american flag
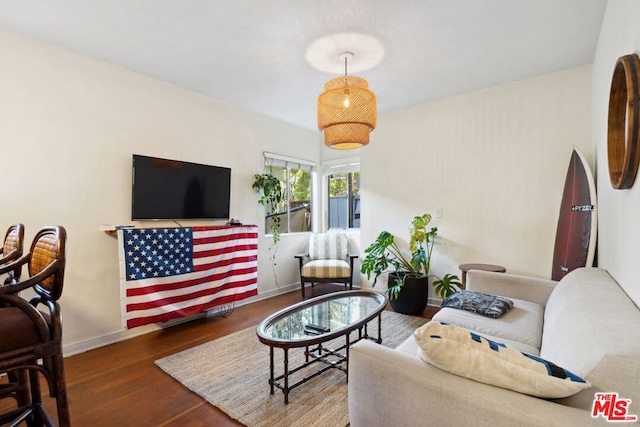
x: 166, y: 273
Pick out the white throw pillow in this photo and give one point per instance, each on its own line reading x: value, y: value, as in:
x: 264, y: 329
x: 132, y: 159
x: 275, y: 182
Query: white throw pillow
x: 465, y: 353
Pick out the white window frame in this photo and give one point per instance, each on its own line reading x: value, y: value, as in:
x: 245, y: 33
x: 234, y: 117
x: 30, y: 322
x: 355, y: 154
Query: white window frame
x: 345, y: 165
x: 278, y: 160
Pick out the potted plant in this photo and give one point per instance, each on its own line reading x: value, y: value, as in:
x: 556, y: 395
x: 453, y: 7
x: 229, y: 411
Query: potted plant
x: 410, y: 272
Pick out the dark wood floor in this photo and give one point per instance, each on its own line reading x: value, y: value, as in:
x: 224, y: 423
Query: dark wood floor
x: 119, y: 385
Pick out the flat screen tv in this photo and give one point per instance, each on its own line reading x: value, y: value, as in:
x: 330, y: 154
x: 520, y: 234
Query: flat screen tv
x: 172, y: 189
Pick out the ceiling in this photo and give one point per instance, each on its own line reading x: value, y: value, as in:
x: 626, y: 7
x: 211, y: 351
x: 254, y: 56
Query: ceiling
x: 253, y: 53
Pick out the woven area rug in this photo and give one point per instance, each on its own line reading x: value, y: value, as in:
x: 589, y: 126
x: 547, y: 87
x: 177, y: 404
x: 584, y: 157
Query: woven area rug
x: 232, y: 374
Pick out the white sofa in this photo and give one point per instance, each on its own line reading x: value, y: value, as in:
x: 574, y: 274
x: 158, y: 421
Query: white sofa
x: 585, y: 323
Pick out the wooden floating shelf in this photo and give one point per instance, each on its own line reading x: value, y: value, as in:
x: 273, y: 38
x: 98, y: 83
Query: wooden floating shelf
x: 111, y: 229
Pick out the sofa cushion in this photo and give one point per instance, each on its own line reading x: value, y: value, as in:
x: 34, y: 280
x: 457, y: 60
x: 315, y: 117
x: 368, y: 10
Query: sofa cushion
x: 465, y: 353
x: 591, y: 328
x: 492, y: 306
x: 522, y: 324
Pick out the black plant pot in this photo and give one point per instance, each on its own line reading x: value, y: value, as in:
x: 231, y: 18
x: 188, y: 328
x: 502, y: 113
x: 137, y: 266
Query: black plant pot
x: 413, y: 295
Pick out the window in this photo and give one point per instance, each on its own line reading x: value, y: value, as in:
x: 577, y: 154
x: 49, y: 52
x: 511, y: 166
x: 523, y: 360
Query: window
x: 296, y: 176
x: 343, y: 184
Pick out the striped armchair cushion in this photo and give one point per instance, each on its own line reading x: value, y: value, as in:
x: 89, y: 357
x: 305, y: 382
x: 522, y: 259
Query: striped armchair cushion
x: 326, y: 269
x: 327, y: 246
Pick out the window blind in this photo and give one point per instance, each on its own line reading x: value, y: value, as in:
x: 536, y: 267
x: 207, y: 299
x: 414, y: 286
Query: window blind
x: 341, y: 166
x: 290, y: 162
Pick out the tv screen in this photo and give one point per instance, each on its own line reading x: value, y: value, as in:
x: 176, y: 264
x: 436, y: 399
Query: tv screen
x: 172, y: 189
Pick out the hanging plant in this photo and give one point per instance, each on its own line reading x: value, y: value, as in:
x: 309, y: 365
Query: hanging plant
x: 271, y: 194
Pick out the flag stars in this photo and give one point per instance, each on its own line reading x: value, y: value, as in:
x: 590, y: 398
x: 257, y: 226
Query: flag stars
x: 157, y: 252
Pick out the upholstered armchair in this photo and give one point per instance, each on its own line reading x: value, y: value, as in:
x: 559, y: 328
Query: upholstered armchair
x: 327, y: 260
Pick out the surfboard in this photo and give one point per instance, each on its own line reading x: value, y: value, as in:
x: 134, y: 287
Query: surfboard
x: 576, y: 233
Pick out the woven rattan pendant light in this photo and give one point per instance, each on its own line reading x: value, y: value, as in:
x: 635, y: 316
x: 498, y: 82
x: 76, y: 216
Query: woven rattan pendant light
x: 346, y: 111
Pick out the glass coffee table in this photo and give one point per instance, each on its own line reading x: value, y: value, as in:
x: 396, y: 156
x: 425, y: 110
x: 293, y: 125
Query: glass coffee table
x: 316, y: 321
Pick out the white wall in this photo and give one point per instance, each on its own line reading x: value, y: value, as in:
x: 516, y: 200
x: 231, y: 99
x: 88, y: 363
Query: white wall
x: 494, y: 161
x: 68, y: 128
x: 619, y: 211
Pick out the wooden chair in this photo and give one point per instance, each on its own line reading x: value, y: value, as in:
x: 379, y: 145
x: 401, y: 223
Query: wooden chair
x: 326, y: 260
x: 12, y: 248
x: 32, y: 332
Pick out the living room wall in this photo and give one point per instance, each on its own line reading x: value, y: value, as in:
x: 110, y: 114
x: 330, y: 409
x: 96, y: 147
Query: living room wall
x: 494, y: 161
x: 619, y: 224
x: 68, y: 127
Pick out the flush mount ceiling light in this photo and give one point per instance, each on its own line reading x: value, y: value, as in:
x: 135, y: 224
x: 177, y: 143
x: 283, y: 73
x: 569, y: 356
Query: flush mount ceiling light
x: 346, y: 110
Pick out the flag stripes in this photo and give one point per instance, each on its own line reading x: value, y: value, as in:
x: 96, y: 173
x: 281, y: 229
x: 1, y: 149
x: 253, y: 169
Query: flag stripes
x: 224, y: 269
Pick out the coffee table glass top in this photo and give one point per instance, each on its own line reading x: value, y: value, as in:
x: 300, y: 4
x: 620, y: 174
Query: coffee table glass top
x: 327, y: 314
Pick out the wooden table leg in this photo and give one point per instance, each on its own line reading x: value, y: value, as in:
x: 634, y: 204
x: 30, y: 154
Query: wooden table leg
x: 346, y: 356
x: 286, y: 376
x: 271, y: 367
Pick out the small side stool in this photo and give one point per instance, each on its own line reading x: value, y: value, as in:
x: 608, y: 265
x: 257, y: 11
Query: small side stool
x: 486, y: 267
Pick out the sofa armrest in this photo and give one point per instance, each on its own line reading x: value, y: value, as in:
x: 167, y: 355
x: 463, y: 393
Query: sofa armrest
x: 388, y: 387
x: 511, y: 285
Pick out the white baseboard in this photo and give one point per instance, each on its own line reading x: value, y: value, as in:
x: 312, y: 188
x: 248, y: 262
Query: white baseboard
x: 112, y: 338
x: 434, y: 302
